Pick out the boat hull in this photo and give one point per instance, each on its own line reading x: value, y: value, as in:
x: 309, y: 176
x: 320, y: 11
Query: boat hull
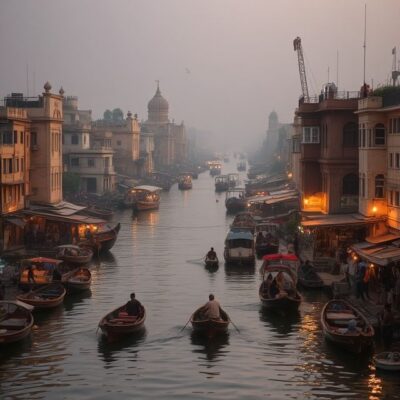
x: 8, y: 336
x: 210, y: 327
x: 34, y: 299
x: 385, y: 363
x: 355, y: 341
x: 79, y: 281
x: 282, y: 304
x: 146, y: 206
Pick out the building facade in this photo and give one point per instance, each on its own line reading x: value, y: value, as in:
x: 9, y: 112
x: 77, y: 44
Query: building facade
x: 86, y: 155
x: 170, y: 141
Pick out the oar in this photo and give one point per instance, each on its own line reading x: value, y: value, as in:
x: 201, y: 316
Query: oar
x: 234, y: 325
x: 185, y: 324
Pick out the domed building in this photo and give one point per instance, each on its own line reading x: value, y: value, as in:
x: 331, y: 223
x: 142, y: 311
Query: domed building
x: 170, y: 143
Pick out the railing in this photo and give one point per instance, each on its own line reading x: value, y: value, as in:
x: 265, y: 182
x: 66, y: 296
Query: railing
x: 341, y: 95
x: 16, y: 177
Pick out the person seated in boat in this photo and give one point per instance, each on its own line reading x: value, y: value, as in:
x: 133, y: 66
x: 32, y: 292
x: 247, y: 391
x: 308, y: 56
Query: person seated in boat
x: 133, y: 307
x: 307, y: 267
x: 273, y: 289
x: 260, y: 237
x: 211, y: 308
x: 352, y: 326
x: 211, y: 255
x: 31, y: 275
x: 267, y: 285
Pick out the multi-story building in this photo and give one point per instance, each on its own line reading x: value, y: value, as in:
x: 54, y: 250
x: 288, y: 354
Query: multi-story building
x: 125, y: 141
x: 328, y: 176
x: 87, y: 155
x: 31, y: 158
x: 170, y: 142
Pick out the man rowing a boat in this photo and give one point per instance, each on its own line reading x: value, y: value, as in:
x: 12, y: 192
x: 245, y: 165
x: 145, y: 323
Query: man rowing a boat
x: 211, y: 255
x: 212, y: 308
x: 133, y: 307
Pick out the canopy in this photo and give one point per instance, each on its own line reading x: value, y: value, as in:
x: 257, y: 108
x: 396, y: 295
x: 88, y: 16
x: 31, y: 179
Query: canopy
x: 244, y: 235
x: 280, y: 257
x: 149, y: 188
x: 44, y: 260
x: 69, y: 246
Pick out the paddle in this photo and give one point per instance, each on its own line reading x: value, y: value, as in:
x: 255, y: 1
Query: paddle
x: 185, y: 324
x: 234, y: 325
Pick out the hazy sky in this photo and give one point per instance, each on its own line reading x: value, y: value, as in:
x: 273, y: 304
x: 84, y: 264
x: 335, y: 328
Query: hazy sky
x: 223, y: 65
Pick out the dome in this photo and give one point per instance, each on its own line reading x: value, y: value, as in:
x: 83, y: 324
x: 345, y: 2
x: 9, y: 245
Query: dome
x: 158, y: 103
x: 158, y: 107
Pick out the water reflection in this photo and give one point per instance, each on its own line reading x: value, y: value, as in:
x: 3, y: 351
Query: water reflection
x: 210, y: 349
x: 76, y: 298
x: 110, y: 352
x: 232, y: 271
x: 281, y: 323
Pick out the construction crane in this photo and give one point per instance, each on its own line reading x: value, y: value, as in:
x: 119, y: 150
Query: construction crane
x: 302, y: 68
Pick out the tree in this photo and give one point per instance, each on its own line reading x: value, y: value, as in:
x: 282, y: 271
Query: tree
x: 107, y: 115
x: 117, y: 114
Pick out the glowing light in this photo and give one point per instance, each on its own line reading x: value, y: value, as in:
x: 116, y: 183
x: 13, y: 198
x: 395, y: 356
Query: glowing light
x: 306, y: 201
x: 290, y: 175
x: 374, y: 209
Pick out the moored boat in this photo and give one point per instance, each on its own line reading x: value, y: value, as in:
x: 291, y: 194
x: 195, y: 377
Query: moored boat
x: 78, y: 280
x: 235, y: 200
x: 221, y: 183
x: 309, y: 278
x: 388, y: 361
x: 48, y: 296
x: 16, y: 321
x: 73, y: 254
x: 210, y: 327
x: 346, y: 326
x: 244, y: 221
x: 143, y: 198
x: 103, y: 239
x: 215, y: 168
x: 118, y: 323
x: 37, y: 271
x: 239, y: 248
x: 278, y: 289
x: 267, y: 241
x: 289, y: 260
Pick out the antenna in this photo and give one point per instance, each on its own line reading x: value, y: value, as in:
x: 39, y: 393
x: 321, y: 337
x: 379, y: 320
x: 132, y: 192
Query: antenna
x: 337, y: 69
x: 395, y: 71
x: 27, y: 80
x: 365, y: 37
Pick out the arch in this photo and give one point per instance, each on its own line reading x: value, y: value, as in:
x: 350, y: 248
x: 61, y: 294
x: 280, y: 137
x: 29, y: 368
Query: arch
x: 350, y: 185
x: 379, y: 186
x: 379, y: 135
x: 74, y: 139
x: 350, y: 134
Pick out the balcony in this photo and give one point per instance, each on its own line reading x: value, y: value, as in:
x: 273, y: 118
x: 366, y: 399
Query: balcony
x: 13, y: 178
x: 372, y: 102
x: 13, y: 112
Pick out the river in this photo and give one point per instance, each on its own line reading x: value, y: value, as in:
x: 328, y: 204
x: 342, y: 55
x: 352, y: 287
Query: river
x: 157, y: 255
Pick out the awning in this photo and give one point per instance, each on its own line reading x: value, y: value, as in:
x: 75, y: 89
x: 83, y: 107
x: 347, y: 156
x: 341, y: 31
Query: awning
x: 244, y: 235
x: 377, y: 254
x: 73, y: 219
x: 16, y: 221
x: 339, y: 220
x: 63, y: 208
x: 389, y: 237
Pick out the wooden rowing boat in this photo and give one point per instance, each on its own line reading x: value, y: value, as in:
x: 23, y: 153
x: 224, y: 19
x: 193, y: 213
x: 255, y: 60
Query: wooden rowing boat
x: 73, y: 254
x: 211, y: 263
x: 210, y: 327
x: 346, y: 326
x: 388, y: 361
x: 285, y: 297
x: 309, y: 278
x: 79, y: 280
x: 16, y: 322
x: 118, y: 323
x: 48, y: 296
x: 103, y: 213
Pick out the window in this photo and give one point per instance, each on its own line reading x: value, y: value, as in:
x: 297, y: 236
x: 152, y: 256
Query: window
x: 379, y: 186
x: 362, y: 185
x: 17, y: 165
x: 396, y: 198
x: 15, y: 137
x: 84, y: 139
x: 296, y: 145
x: 350, y: 135
x: 22, y: 164
x: 390, y: 160
x: 91, y: 162
x: 379, y: 135
x: 311, y: 134
x: 397, y: 160
x: 362, y: 135
x: 74, y: 139
x: 10, y: 165
x: 350, y: 187
x: 21, y: 137
x: 7, y: 138
x: 33, y: 139
x: 75, y: 162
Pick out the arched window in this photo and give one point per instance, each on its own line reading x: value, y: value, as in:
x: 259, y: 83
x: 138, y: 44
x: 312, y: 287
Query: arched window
x: 74, y: 139
x: 379, y: 186
x: 379, y: 135
x: 350, y: 135
x: 350, y: 185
